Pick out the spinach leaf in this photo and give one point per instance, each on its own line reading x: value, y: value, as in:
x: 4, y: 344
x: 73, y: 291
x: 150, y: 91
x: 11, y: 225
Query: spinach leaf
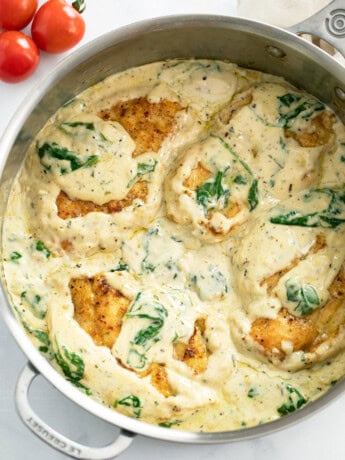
x: 295, y: 401
x: 142, y: 169
x: 33, y: 300
x: 146, y: 265
x: 43, y: 349
x: 121, y: 267
x: 154, y: 313
x: 337, y: 200
x: 304, y: 294
x: 66, y: 126
x: 292, y: 105
x: 42, y: 248
x: 51, y: 150
x: 324, y: 218
x: 279, y: 164
x: 262, y: 119
x: 149, y: 333
x: 14, y: 256
x: 330, y: 222
x: 233, y: 153
x: 282, y: 144
x: 135, y: 359
x: 289, y: 98
x: 253, y: 391
x: 178, y: 240
x: 170, y: 424
x: 80, y: 385
x: 253, y: 199
x: 209, y: 190
x: 240, y: 180
x: 145, y: 168
x: 297, y: 218
x: 131, y: 401
x: 210, y: 193
x: 72, y: 365
x: 40, y: 335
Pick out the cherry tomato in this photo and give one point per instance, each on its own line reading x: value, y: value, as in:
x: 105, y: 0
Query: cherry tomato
x: 16, y: 14
x: 19, y: 56
x: 57, y: 27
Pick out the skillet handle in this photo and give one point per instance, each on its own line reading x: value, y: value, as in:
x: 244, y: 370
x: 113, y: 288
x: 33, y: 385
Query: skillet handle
x: 55, y: 439
x: 328, y: 24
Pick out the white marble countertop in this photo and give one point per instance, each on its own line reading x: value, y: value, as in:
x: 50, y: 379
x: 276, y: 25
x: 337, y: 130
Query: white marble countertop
x: 317, y: 438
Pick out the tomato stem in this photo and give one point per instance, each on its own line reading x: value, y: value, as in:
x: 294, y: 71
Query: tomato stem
x: 79, y: 5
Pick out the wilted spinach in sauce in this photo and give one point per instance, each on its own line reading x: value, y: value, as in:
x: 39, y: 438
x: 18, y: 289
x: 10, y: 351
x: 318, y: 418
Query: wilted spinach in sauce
x: 157, y: 262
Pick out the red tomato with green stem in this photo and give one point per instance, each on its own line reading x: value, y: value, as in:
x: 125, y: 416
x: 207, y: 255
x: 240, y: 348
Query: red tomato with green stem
x: 57, y: 26
x: 19, y: 56
x: 16, y: 14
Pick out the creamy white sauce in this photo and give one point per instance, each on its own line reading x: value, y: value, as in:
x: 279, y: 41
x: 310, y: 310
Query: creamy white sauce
x: 176, y: 269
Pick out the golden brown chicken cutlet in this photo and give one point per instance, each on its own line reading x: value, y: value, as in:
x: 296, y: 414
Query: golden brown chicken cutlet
x: 197, y: 177
x: 69, y: 209
x: 272, y: 281
x: 307, y: 332
x: 98, y: 308
x: 319, y: 131
x: 159, y: 379
x: 239, y: 101
x: 148, y: 123
x: 194, y: 354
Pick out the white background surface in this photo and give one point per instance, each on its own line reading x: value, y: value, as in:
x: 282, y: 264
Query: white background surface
x: 318, y: 438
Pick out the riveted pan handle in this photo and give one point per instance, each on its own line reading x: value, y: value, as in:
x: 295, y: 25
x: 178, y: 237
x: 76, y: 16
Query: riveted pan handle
x: 55, y: 439
x: 328, y: 24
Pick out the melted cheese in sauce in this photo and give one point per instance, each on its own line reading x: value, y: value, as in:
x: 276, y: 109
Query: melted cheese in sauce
x: 241, y: 216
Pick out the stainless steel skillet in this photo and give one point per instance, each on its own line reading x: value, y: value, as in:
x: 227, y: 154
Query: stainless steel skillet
x: 249, y: 44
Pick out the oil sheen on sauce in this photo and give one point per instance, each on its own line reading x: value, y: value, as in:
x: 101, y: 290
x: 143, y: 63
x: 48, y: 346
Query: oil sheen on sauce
x: 242, y: 222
